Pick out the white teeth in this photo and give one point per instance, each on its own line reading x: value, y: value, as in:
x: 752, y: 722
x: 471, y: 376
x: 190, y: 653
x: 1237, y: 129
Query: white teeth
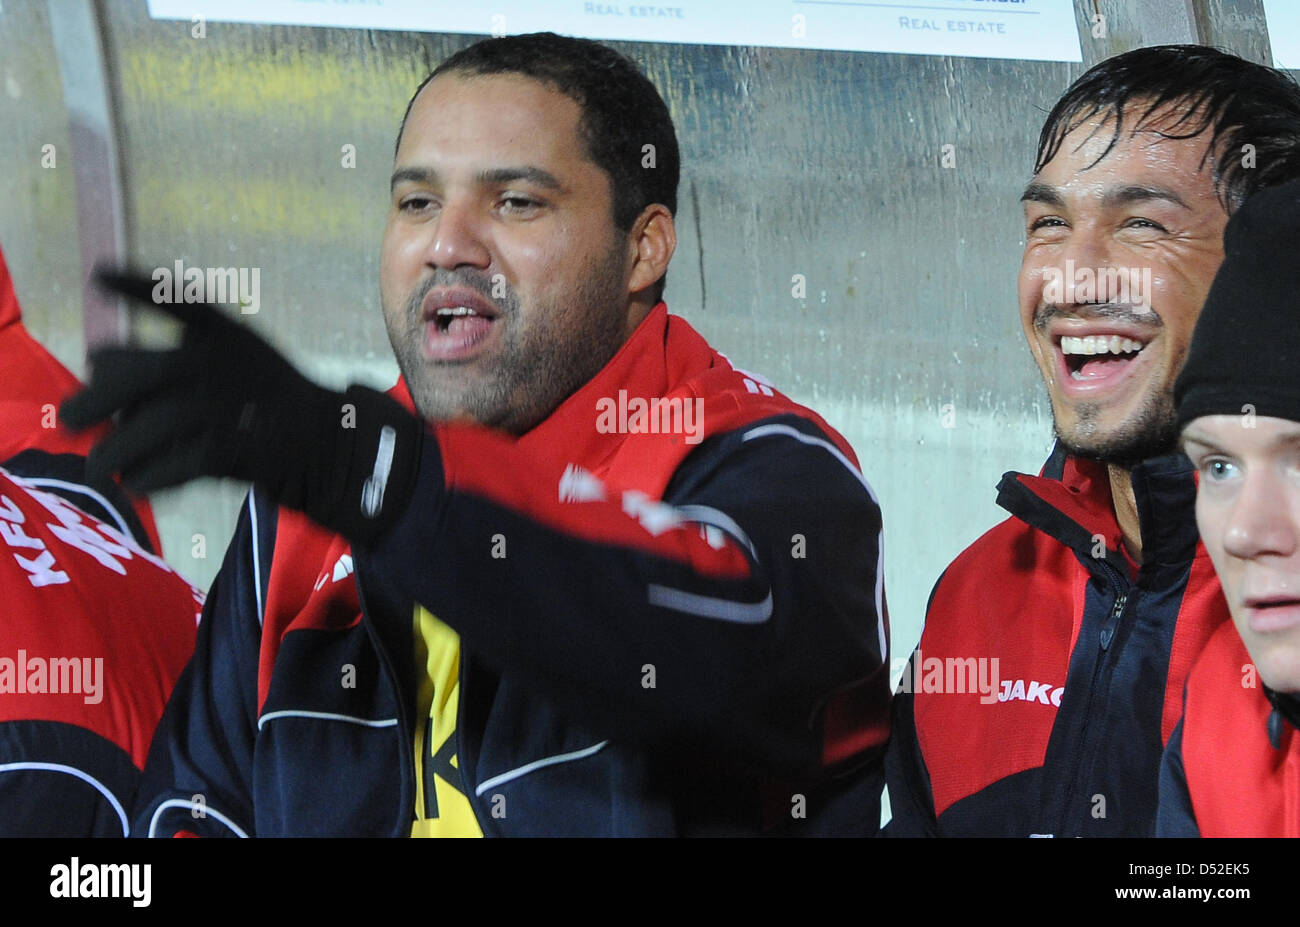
x: 456, y: 311
x: 1100, y: 344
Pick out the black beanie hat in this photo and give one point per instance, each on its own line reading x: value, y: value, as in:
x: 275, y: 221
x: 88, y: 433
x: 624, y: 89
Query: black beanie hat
x: 1245, y: 351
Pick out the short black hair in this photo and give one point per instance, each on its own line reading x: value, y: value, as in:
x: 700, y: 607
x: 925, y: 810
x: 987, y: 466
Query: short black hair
x: 622, y: 112
x: 1240, y: 102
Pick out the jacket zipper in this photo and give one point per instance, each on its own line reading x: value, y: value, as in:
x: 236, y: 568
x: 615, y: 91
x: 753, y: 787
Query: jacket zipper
x: 1108, y: 630
x: 1104, y: 640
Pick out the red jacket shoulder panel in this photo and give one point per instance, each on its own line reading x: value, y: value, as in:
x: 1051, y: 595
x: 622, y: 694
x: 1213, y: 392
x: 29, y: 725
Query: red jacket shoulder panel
x: 1239, y: 784
x: 1021, y: 665
x: 96, y: 630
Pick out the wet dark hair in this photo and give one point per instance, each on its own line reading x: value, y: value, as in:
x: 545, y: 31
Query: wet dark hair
x: 1239, y: 102
x: 621, y: 111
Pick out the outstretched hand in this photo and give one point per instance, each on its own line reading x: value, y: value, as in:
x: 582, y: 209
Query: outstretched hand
x: 225, y: 403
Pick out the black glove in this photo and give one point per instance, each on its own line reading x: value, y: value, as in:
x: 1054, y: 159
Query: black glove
x: 226, y: 403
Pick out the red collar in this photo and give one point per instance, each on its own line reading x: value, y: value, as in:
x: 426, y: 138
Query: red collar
x: 661, y: 355
x: 1082, y: 494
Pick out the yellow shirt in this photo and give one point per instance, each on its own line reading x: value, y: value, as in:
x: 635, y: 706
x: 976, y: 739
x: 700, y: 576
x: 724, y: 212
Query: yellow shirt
x: 441, y: 808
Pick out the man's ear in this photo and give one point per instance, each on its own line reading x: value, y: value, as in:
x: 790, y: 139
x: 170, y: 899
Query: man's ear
x: 651, y: 241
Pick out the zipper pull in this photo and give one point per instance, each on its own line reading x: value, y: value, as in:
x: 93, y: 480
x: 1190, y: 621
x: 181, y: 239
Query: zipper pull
x: 1108, y: 632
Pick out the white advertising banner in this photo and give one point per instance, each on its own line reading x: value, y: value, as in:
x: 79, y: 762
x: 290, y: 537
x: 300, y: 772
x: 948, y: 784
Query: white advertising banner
x: 1041, y: 30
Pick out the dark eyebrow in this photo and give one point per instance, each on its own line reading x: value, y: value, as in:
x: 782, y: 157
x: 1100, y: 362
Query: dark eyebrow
x: 493, y: 177
x: 1115, y: 196
x: 411, y: 175
x: 1139, y: 193
x: 1042, y: 193
x: 505, y: 175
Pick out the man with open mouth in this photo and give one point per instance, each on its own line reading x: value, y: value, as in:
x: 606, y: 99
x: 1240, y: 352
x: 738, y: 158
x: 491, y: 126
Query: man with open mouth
x: 470, y: 607
x: 1232, y: 769
x: 1095, y: 595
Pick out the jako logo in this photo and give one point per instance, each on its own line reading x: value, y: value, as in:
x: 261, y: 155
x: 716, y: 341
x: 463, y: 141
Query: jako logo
x: 106, y: 880
x: 1037, y: 692
x: 181, y: 284
x: 657, y: 416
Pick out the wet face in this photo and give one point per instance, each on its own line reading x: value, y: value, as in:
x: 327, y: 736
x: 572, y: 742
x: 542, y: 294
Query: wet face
x: 1248, y: 511
x: 1119, y: 257
x: 503, y: 279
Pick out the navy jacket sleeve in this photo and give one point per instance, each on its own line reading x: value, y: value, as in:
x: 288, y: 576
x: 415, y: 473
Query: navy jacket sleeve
x: 730, y: 618
x: 198, y: 778
x: 1174, y: 815
x: 911, y: 804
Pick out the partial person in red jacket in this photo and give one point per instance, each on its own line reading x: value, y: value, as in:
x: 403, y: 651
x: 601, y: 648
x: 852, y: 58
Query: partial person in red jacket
x: 1050, y: 671
x: 1232, y: 768
x: 94, y: 628
x: 35, y: 445
x: 94, y: 632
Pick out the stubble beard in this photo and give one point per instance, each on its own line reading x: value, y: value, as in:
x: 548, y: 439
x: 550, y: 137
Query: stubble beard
x: 1150, y: 433
x: 536, y: 368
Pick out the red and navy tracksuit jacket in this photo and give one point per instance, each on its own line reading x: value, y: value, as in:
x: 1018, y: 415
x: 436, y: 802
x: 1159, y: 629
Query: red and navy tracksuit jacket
x: 745, y: 570
x: 1232, y: 766
x: 94, y: 631
x: 1090, y: 662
